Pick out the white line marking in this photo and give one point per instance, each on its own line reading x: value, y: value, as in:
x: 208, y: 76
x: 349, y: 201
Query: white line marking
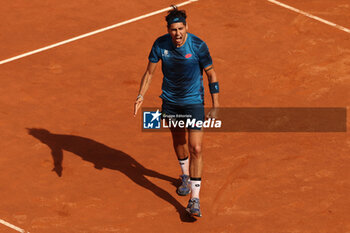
x: 311, y: 16
x: 93, y: 33
x: 12, y: 226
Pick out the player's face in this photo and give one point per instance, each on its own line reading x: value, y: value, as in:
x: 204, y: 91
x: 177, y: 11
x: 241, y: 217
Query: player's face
x: 178, y: 32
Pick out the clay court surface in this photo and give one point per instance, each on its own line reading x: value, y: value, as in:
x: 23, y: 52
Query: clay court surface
x: 76, y: 101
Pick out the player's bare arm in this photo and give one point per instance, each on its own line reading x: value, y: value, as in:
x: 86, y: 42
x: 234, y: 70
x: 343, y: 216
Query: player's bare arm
x: 145, y: 83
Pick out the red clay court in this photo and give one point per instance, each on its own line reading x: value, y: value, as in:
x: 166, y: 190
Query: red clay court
x: 75, y: 102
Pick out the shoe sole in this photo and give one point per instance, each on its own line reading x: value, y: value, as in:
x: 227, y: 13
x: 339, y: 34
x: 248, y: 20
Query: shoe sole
x: 193, y: 215
x: 182, y: 194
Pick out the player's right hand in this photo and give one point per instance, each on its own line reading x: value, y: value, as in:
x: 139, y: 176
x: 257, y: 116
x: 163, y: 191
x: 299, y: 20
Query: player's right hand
x: 138, y: 104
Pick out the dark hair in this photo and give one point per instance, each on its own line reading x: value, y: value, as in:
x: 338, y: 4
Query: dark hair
x: 175, y: 13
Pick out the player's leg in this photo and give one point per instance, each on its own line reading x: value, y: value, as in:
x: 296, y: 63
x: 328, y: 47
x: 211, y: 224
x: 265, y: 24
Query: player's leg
x: 169, y: 113
x: 180, y: 146
x: 196, y: 164
x: 195, y: 136
x: 179, y: 143
x: 181, y: 150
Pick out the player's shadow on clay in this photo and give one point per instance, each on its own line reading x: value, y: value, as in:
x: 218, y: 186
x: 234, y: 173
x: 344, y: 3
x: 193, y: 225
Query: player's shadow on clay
x: 103, y: 156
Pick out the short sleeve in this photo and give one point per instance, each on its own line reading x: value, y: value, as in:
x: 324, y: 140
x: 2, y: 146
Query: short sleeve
x: 154, y: 55
x: 204, y: 56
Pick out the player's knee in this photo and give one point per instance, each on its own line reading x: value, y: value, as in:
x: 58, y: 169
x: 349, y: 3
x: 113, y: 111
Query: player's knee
x: 195, y: 150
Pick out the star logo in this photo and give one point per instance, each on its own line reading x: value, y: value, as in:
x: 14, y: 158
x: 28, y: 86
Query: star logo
x: 155, y: 115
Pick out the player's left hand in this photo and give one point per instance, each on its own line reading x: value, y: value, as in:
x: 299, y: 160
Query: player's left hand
x: 213, y: 113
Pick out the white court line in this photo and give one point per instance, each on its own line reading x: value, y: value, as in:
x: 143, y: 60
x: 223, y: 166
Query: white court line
x: 311, y: 16
x: 93, y: 32
x: 12, y: 226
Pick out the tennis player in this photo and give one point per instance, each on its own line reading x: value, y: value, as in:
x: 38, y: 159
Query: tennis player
x: 184, y: 57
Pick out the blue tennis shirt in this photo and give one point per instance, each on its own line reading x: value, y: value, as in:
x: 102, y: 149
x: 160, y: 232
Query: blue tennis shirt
x: 182, y: 68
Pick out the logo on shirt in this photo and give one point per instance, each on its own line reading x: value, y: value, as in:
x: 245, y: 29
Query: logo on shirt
x: 188, y: 55
x: 165, y: 53
x: 151, y: 120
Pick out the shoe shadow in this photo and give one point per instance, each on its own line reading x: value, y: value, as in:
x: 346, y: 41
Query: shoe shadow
x: 103, y: 156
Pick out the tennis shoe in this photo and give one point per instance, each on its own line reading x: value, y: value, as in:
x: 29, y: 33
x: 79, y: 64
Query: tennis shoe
x: 193, y: 207
x: 184, y: 189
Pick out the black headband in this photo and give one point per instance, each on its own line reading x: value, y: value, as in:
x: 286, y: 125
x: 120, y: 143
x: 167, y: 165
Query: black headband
x: 176, y: 20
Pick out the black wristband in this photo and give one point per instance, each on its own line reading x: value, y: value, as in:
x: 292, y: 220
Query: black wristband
x: 214, y: 87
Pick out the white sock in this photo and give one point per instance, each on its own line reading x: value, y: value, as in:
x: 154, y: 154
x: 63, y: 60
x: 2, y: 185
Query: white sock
x: 185, y: 164
x: 195, y: 187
